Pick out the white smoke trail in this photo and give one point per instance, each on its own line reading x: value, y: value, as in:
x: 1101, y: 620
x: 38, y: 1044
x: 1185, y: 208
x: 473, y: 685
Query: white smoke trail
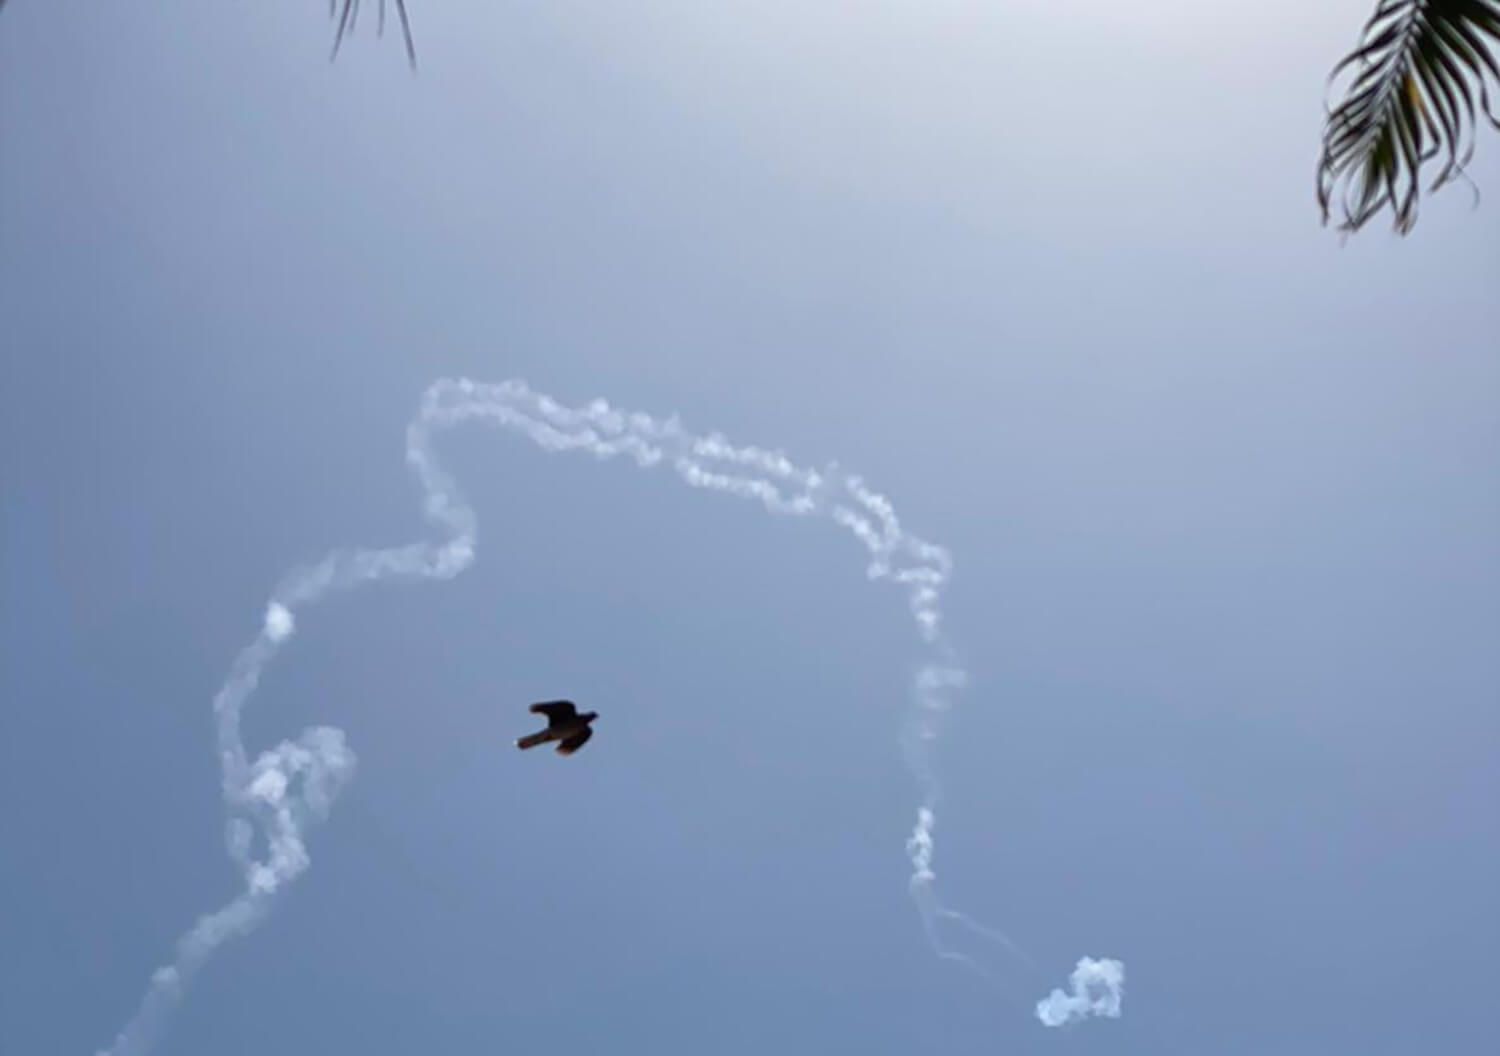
x: 288, y: 788
x: 1098, y: 989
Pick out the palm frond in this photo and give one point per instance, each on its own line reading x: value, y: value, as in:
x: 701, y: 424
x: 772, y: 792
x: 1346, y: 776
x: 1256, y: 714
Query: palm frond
x: 348, y: 15
x: 1410, y: 97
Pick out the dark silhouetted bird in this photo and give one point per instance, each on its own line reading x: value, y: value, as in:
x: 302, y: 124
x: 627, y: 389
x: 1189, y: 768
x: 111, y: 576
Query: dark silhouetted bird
x: 564, y: 725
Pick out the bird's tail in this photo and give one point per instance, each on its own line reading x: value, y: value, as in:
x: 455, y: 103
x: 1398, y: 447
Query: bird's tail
x: 531, y: 740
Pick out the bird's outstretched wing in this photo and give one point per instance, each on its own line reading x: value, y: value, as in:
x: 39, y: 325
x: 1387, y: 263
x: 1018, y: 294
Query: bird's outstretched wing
x: 569, y: 745
x: 555, y: 710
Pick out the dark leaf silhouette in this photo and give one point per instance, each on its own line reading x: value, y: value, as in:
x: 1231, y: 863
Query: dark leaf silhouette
x: 347, y: 15
x: 1410, y: 99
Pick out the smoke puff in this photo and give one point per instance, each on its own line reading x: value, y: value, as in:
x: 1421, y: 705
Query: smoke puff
x: 1098, y: 989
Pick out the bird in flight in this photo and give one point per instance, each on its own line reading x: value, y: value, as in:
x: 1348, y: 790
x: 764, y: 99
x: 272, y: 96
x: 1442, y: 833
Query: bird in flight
x: 564, y: 725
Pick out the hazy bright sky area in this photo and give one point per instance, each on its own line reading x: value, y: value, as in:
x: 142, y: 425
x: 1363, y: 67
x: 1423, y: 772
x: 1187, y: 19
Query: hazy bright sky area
x: 1222, y: 497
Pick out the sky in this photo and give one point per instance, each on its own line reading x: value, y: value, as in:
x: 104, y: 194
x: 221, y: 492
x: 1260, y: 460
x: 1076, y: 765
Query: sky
x: 1221, y: 492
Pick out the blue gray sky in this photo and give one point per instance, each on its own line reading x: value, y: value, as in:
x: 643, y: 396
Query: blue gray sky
x: 1222, y: 496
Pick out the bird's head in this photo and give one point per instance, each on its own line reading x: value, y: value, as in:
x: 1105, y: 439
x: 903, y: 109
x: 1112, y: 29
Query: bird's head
x: 589, y: 716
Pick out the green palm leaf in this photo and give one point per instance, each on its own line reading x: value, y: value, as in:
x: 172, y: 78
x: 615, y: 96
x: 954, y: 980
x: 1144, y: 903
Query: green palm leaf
x: 1410, y: 98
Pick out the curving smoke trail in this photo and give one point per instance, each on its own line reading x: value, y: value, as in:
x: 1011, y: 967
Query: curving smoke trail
x: 274, y: 800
